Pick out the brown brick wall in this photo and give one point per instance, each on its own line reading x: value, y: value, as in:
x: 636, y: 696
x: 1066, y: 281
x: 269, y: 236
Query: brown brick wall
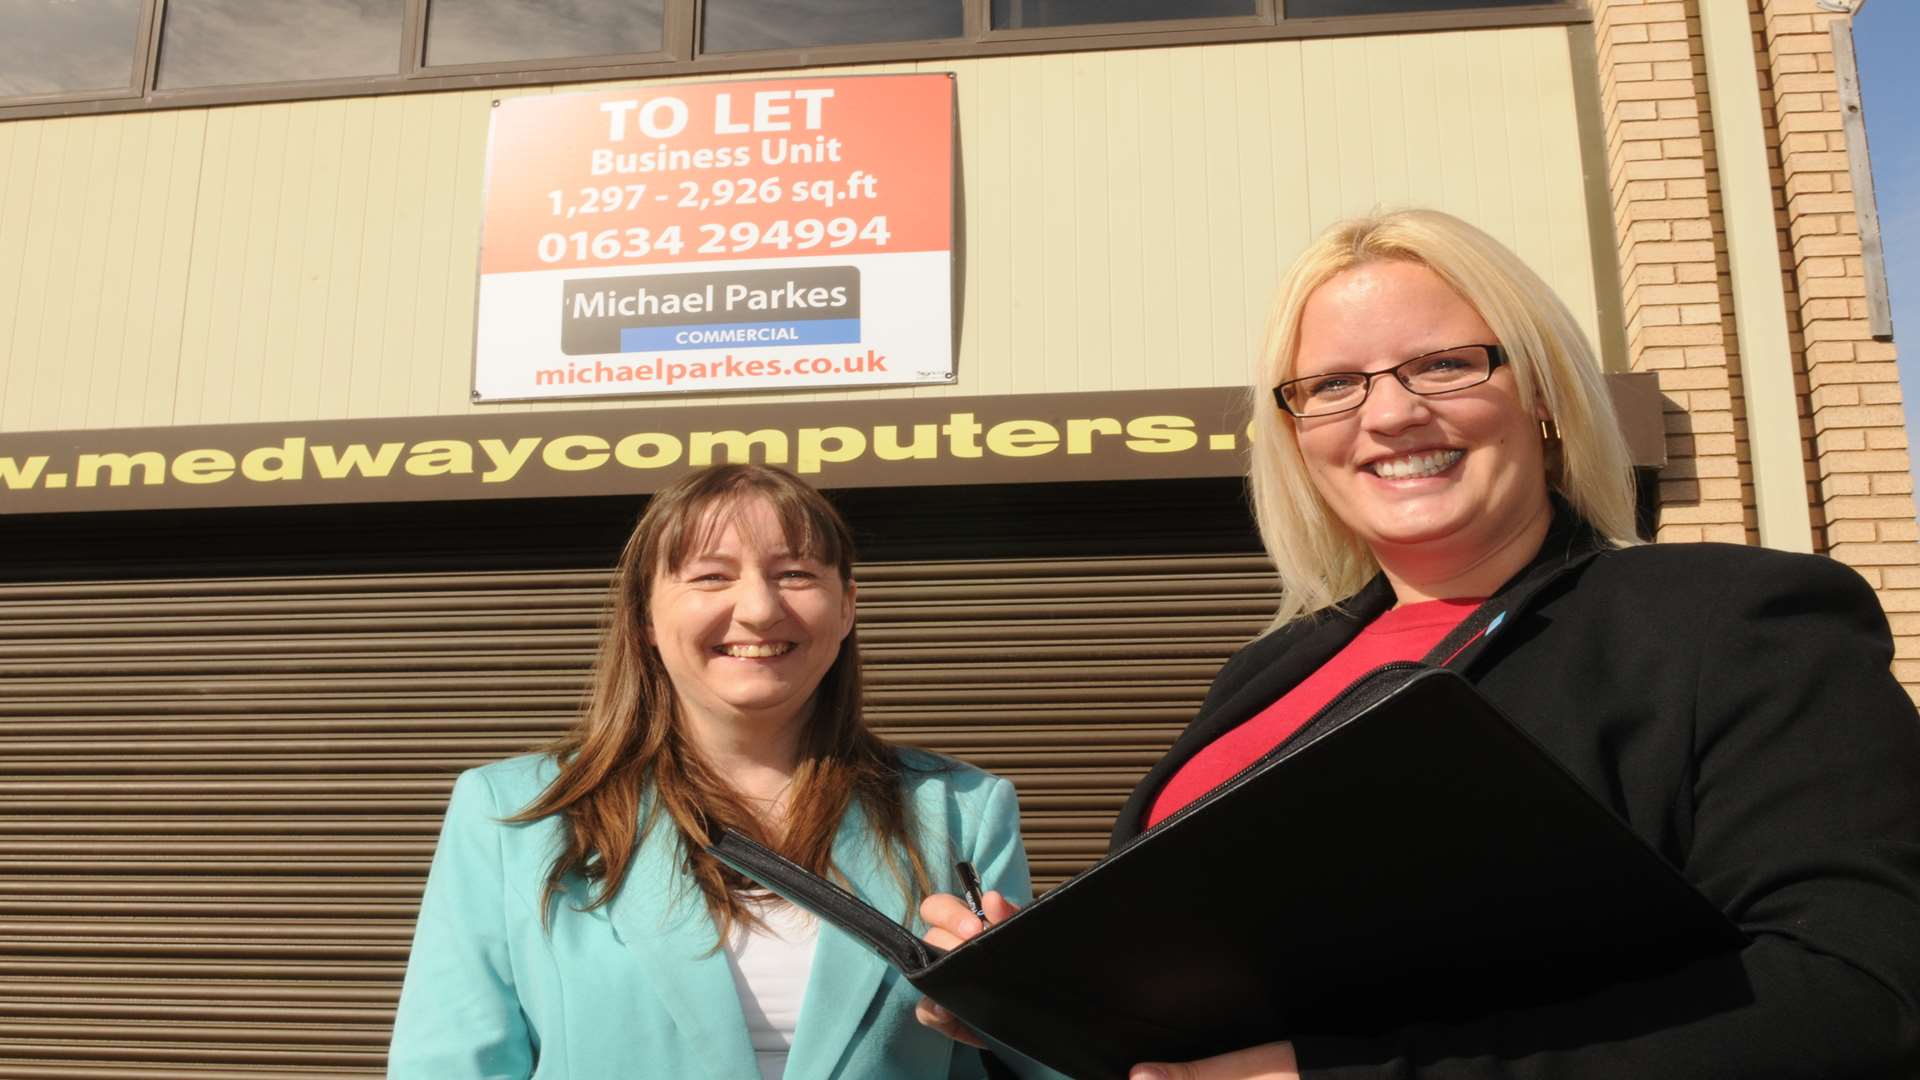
x: 1857, y: 425
x: 1679, y: 323
x: 1664, y: 179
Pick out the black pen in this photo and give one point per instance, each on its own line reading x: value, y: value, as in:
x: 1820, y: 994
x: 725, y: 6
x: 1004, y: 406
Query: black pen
x: 970, y: 890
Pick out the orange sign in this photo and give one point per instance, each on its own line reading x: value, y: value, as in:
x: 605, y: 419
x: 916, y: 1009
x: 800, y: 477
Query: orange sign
x: 717, y: 171
x: 750, y: 235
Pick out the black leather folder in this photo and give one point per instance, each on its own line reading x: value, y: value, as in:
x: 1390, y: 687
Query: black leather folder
x: 1408, y: 856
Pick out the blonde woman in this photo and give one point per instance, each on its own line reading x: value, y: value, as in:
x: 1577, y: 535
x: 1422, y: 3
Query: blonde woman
x: 1432, y: 435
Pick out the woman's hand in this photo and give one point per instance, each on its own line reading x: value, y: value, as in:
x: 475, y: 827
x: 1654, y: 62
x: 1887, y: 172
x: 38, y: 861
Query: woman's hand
x: 949, y: 924
x: 1271, y: 1061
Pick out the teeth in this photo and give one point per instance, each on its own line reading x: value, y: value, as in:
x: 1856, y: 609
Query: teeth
x: 1415, y: 465
x: 758, y: 652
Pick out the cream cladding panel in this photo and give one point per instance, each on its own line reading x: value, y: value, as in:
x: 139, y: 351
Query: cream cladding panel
x: 1126, y: 214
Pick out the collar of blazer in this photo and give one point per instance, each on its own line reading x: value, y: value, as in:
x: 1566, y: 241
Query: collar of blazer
x: 1269, y: 666
x: 658, y: 914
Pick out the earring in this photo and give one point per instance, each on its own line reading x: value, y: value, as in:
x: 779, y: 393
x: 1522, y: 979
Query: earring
x: 1552, y: 450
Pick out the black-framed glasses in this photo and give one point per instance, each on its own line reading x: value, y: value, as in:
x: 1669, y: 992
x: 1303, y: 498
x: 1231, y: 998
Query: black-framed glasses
x: 1440, y: 372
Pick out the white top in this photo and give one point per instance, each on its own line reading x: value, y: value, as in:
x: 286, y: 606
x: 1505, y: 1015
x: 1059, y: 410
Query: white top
x: 770, y: 969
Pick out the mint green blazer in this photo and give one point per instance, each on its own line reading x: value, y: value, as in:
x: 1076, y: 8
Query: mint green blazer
x: 635, y: 989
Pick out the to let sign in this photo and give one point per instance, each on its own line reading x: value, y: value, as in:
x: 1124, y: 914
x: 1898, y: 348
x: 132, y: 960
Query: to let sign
x: 718, y: 236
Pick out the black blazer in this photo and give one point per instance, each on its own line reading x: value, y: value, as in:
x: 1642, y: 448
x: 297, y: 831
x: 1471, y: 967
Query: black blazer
x: 1736, y: 707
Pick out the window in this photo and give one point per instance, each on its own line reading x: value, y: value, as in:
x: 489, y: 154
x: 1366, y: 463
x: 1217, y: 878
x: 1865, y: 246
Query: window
x: 224, y: 42
x: 89, y: 56
x: 1325, y: 9
x: 741, y: 25
x: 62, y: 47
x: 1014, y: 14
x: 497, y: 31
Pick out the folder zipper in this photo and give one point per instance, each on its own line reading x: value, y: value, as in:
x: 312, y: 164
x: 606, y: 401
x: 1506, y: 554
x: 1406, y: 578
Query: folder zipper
x: 799, y: 886
x: 1362, y: 692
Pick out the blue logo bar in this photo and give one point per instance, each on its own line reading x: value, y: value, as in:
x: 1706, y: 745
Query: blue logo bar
x: 739, y: 335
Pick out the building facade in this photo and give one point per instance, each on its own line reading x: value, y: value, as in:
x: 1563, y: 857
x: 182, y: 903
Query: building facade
x: 275, y: 573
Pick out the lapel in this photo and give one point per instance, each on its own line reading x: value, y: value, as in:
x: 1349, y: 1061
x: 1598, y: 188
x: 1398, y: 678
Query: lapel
x: 846, y: 975
x: 1277, y: 662
x: 1272, y: 665
x: 1570, y: 544
x: 1289, y: 655
x: 659, y: 915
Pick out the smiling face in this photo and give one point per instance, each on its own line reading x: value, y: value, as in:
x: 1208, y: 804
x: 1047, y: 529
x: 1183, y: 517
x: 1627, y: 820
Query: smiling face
x: 745, y: 627
x: 1446, y: 480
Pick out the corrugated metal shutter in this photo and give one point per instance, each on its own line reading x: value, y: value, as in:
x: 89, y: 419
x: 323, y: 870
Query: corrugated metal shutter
x: 219, y: 793
x: 1068, y: 676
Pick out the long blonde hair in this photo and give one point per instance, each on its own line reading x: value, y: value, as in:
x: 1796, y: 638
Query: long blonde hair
x: 1320, y: 561
x: 627, y: 766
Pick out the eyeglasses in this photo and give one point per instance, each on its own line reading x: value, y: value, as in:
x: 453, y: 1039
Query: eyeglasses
x: 1429, y: 374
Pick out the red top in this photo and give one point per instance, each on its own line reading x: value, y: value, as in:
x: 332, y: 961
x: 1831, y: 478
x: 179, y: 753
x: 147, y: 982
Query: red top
x: 1404, y: 633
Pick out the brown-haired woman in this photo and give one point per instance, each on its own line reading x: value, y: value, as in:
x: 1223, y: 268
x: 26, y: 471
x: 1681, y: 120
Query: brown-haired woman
x: 573, y: 924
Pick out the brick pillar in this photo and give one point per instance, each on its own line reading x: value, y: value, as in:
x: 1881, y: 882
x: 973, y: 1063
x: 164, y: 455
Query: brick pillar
x: 1859, y: 432
x: 1679, y: 325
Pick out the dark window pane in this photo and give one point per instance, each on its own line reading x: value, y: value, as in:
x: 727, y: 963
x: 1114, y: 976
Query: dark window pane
x: 739, y: 25
x: 1318, y: 9
x: 224, y: 42
x: 1014, y: 14
x: 492, y: 31
x: 60, y: 47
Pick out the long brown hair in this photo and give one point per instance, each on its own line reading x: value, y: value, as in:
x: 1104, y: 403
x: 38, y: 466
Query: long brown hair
x: 627, y: 765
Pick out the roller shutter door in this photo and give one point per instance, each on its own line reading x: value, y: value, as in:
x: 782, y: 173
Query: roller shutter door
x: 219, y: 789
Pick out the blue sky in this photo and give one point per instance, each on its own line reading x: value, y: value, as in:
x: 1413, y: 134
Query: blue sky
x: 1885, y: 33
